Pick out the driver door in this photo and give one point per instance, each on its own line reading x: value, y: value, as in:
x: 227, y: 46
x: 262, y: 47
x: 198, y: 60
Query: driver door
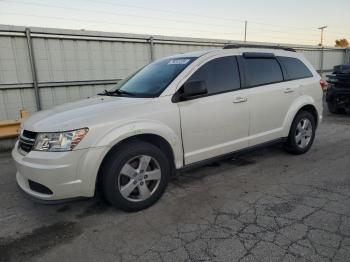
x: 216, y: 123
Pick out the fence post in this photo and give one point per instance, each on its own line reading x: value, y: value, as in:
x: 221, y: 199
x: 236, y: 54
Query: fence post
x: 346, y: 55
x: 33, y: 69
x: 151, y: 43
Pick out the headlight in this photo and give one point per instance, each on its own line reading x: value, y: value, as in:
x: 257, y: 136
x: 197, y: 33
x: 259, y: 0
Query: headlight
x: 60, y: 141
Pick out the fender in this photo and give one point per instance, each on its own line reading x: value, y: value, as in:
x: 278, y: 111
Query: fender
x: 113, y: 136
x: 293, y: 110
x: 139, y: 127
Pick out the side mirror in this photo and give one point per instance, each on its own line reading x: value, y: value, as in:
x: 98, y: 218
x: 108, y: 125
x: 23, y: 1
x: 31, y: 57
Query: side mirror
x: 194, y: 89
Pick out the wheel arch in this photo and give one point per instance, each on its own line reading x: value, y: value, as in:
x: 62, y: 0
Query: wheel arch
x: 312, y: 110
x: 151, y: 138
x: 303, y: 104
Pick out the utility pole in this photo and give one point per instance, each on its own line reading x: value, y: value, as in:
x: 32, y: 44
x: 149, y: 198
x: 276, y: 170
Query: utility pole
x: 322, y: 28
x: 322, y: 50
x: 245, y: 31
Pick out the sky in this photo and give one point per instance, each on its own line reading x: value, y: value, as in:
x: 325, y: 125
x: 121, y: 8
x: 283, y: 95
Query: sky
x: 293, y: 21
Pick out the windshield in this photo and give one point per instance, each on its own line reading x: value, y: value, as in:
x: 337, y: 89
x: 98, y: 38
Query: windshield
x: 151, y: 80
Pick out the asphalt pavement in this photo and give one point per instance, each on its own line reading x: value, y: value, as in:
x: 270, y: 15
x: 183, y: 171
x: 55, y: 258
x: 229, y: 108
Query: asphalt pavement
x: 262, y: 206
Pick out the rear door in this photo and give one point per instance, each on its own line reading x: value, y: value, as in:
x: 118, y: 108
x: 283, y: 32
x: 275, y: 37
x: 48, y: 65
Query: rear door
x: 269, y: 96
x: 298, y: 74
x: 217, y: 123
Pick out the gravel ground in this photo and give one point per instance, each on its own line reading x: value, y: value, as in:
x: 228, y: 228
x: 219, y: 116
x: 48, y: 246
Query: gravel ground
x: 263, y: 206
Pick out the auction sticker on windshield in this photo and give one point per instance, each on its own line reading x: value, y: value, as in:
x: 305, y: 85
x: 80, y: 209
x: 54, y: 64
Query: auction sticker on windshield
x: 178, y: 61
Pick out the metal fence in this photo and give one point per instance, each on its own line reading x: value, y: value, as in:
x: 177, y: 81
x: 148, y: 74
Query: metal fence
x: 41, y: 67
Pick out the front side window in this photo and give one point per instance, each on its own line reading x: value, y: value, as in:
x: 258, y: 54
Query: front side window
x: 295, y: 68
x: 262, y: 71
x: 220, y: 75
x: 151, y: 80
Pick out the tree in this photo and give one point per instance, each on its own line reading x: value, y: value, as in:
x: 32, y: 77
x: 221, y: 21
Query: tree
x: 341, y: 43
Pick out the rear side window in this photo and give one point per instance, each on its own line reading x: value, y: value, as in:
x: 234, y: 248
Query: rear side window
x: 262, y: 71
x: 295, y: 68
x: 220, y: 75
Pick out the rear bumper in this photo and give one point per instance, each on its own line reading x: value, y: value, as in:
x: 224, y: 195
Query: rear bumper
x: 66, y: 175
x: 334, y: 92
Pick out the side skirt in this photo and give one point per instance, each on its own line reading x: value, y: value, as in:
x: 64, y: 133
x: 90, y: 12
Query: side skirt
x: 231, y: 155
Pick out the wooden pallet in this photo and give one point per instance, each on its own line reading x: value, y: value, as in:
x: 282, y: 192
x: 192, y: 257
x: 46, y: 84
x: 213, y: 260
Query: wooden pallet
x: 11, y: 128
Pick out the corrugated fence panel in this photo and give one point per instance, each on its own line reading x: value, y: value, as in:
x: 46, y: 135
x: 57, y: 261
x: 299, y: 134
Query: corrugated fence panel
x: 163, y: 50
x: 80, y: 60
x: 12, y: 100
x: 313, y: 56
x: 14, y: 60
x: 135, y: 55
x: 75, y: 64
x: 332, y: 58
x: 56, y: 96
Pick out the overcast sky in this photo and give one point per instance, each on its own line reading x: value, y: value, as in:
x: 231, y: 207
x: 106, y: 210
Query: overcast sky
x: 293, y: 21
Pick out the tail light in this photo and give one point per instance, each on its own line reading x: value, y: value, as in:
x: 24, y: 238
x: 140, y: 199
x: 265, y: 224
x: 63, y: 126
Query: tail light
x: 323, y: 84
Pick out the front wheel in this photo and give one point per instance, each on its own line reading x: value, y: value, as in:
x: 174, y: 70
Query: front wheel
x: 301, y: 134
x: 135, y: 176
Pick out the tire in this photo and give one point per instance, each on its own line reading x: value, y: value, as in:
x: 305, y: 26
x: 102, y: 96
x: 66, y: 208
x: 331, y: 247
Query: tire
x: 332, y: 108
x: 302, y: 133
x: 128, y: 182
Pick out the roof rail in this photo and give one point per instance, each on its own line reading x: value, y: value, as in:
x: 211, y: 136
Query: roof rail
x: 232, y: 46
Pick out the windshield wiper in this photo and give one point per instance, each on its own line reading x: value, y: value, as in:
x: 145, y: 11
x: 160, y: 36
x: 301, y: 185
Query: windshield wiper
x: 122, y: 92
x: 116, y: 92
x: 105, y: 93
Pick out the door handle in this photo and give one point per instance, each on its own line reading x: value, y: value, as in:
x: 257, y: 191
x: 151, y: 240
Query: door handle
x: 240, y: 99
x: 288, y: 90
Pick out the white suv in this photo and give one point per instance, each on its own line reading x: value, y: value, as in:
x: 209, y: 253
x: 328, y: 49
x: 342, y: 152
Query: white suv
x: 175, y: 113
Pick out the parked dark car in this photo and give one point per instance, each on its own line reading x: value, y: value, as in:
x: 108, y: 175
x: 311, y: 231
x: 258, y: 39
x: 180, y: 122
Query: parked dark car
x: 338, y: 92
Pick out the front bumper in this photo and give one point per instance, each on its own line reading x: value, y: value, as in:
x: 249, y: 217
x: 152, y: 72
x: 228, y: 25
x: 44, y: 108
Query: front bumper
x: 66, y: 174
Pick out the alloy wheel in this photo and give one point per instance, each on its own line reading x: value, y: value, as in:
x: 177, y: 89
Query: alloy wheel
x: 139, y: 178
x: 303, y: 133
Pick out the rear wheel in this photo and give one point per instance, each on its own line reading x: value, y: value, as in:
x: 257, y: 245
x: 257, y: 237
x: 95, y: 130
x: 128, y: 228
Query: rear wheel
x: 135, y: 176
x: 301, y: 134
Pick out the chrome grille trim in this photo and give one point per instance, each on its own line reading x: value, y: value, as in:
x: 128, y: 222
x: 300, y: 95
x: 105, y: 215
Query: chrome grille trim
x: 27, y: 139
x: 26, y: 144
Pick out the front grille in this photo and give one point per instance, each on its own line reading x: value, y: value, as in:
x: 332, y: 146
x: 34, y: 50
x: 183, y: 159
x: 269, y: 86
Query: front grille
x: 26, y: 141
x: 39, y: 188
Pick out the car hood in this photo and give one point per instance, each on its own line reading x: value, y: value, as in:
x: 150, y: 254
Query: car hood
x: 83, y: 113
